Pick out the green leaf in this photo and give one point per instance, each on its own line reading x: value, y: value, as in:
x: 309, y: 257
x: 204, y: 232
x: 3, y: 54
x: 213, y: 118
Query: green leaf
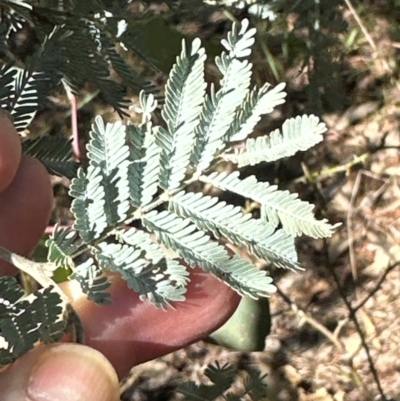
x: 24, y: 97
x: 54, y: 152
x: 220, y: 107
x: 25, y: 320
x: 144, y: 277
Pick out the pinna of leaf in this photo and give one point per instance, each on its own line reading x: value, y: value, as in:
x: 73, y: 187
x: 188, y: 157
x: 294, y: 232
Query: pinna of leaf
x: 133, y: 170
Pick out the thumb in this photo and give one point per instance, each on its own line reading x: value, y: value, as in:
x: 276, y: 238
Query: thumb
x: 60, y: 372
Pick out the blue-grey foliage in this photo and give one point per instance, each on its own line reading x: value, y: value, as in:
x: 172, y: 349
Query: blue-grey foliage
x: 134, y: 169
x: 136, y: 212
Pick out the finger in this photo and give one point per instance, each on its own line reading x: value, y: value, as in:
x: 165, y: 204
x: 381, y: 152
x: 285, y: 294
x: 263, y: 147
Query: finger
x: 60, y: 372
x: 130, y: 331
x: 10, y: 151
x: 25, y: 207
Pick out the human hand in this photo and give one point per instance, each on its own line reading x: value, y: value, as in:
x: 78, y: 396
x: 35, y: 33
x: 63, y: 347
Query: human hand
x: 118, y: 336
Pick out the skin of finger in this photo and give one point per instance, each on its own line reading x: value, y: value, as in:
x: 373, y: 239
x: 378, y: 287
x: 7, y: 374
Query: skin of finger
x: 131, y: 331
x: 25, y: 208
x: 10, y: 151
x: 60, y: 372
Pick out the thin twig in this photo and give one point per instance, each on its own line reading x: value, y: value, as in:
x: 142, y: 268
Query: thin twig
x: 329, y: 171
x: 349, y: 217
x: 366, y: 34
x: 349, y: 225
x: 353, y: 317
x: 311, y: 321
x: 377, y: 286
x: 74, y: 122
x: 360, y: 24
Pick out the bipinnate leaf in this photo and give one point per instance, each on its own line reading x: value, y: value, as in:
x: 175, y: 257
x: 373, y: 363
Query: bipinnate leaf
x: 129, y: 164
x: 134, y: 210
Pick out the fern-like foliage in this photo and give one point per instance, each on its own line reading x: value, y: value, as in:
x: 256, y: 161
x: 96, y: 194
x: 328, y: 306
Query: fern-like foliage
x: 133, y: 170
x: 277, y: 206
x: 21, y: 92
x: 297, y: 134
x: 92, y: 282
x: 184, y: 96
x: 27, y: 319
x: 62, y: 245
x: 228, y: 221
x: 221, y: 106
x: 108, y: 152
x: 222, y: 378
x: 54, y: 152
x: 136, y: 213
x: 75, y: 43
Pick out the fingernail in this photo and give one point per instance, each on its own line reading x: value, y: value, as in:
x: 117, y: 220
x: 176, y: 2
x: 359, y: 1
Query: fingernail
x: 72, y: 372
